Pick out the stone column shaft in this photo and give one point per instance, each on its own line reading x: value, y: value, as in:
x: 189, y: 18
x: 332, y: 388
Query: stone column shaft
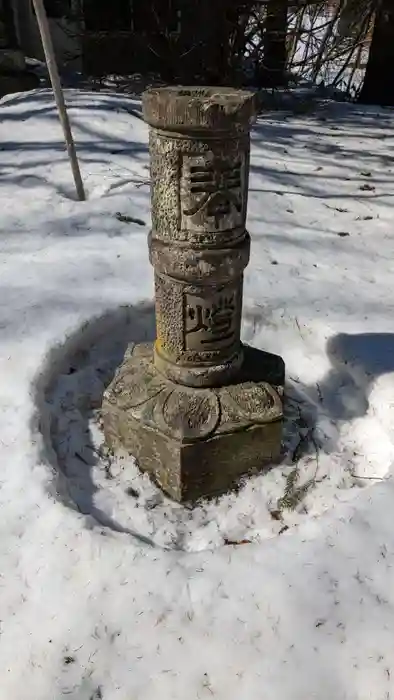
x: 199, y: 147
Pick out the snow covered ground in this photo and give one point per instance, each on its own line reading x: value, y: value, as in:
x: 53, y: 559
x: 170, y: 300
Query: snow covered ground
x: 284, y: 590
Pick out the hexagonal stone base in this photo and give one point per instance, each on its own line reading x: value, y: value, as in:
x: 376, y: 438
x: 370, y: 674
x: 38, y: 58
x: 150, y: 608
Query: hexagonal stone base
x: 196, y: 442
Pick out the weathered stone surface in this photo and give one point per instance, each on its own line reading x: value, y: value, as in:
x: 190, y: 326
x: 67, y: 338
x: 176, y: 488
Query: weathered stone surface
x: 199, y: 247
x: 196, y: 442
x: 197, y: 108
x: 198, y: 410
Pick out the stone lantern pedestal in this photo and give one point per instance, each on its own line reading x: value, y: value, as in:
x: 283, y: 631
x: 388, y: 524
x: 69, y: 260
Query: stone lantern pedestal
x: 198, y: 410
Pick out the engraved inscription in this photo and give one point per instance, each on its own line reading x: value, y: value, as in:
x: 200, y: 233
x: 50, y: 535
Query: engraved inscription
x: 211, y: 323
x: 216, y: 186
x: 212, y: 193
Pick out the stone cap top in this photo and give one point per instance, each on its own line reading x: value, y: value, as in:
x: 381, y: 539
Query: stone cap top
x: 179, y: 108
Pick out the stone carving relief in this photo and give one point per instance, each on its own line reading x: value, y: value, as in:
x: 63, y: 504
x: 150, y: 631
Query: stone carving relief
x: 211, y: 322
x: 212, y: 193
x: 188, y: 414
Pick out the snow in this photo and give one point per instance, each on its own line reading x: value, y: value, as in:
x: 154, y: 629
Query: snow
x: 108, y: 590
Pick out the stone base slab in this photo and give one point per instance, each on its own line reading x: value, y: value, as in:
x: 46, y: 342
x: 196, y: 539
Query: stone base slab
x: 196, y: 442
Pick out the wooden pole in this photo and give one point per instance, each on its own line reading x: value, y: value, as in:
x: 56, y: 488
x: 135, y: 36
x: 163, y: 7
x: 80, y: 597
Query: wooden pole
x: 59, y: 96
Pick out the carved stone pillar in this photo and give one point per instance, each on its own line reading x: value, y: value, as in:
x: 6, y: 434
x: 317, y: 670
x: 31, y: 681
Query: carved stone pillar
x: 199, y: 146
x: 198, y: 410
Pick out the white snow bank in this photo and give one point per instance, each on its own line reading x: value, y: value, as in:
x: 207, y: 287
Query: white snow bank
x: 170, y: 611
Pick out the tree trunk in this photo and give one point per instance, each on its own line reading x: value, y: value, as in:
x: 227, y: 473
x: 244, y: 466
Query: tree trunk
x: 378, y: 87
x: 273, y: 71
